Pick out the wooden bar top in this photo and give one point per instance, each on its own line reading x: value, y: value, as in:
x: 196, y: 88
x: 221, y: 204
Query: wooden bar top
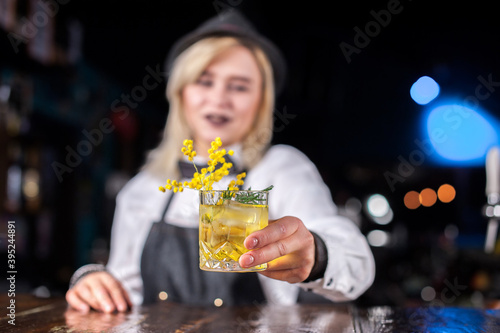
x: 53, y: 315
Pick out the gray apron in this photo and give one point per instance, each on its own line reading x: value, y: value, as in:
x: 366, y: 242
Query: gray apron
x: 170, y: 263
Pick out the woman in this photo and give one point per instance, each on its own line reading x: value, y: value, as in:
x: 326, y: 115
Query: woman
x: 222, y: 82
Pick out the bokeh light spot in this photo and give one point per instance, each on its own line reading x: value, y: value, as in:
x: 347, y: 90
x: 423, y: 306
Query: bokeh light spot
x: 378, y: 238
x: 428, y: 197
x: 446, y: 193
x: 424, y: 90
x: 460, y: 135
x: 378, y: 205
x: 428, y: 293
x: 412, y: 200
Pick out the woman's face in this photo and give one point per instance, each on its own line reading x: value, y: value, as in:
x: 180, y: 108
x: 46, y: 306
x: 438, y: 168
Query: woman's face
x: 223, y: 102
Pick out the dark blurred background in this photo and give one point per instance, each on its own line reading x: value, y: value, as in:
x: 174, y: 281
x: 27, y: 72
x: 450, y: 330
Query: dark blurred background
x: 76, y: 121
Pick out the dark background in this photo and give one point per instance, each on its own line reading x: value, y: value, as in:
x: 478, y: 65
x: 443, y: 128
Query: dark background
x: 355, y: 119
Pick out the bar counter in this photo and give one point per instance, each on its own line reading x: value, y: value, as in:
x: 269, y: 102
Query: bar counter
x: 52, y: 315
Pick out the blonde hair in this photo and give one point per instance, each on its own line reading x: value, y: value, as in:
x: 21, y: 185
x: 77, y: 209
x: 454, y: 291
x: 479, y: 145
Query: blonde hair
x: 187, y: 68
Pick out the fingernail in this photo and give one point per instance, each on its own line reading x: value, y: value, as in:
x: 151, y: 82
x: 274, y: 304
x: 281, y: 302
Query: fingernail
x: 108, y: 308
x: 247, y: 260
x: 252, y: 243
x: 121, y: 307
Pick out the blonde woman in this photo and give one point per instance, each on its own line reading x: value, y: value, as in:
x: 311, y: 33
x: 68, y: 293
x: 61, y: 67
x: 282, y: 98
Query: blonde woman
x: 222, y: 82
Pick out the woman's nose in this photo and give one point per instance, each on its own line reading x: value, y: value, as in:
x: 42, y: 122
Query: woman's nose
x: 218, y: 95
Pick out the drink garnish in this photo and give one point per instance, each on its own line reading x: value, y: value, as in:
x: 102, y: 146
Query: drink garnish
x: 217, y: 168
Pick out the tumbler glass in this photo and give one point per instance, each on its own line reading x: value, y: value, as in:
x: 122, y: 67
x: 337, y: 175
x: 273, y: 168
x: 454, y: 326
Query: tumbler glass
x: 226, y: 219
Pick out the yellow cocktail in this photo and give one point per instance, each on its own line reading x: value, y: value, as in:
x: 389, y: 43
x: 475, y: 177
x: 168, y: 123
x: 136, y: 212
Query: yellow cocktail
x: 226, y: 219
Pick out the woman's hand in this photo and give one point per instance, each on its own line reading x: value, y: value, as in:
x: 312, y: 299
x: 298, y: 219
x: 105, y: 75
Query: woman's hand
x: 99, y: 291
x: 286, y: 245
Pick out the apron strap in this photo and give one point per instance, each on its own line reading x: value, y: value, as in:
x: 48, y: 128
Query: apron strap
x: 169, y: 201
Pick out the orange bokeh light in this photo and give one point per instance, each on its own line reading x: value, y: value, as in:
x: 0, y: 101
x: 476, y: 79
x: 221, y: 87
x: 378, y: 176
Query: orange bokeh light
x: 446, y: 193
x: 412, y: 200
x: 428, y: 197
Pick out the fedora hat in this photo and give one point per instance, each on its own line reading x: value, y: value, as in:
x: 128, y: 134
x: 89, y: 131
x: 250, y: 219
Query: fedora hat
x: 232, y: 23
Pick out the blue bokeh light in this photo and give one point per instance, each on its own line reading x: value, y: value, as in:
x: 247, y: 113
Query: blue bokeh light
x: 460, y: 135
x: 424, y: 90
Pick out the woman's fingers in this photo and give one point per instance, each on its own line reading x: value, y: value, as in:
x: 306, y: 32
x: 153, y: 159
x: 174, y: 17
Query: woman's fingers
x: 102, y: 296
x: 286, y: 245
x: 118, y: 295
x: 99, y: 291
x: 83, y: 292
x: 275, y: 231
x: 76, y: 302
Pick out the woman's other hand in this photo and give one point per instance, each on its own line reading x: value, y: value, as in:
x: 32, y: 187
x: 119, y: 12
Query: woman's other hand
x: 99, y: 291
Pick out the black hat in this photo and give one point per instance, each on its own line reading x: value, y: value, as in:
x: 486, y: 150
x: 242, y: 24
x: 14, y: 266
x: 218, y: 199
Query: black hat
x: 232, y: 23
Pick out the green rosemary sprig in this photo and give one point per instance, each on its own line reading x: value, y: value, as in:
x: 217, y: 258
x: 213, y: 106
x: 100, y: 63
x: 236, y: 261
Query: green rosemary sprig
x: 251, y: 198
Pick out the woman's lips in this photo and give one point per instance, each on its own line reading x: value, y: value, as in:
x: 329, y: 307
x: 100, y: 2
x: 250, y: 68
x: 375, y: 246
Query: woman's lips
x: 217, y: 120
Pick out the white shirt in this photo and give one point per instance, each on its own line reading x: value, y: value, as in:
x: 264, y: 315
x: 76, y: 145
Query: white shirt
x: 298, y: 191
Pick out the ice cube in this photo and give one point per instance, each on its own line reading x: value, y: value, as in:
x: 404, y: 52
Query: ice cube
x: 232, y: 251
x: 209, y: 213
x: 216, y: 211
x: 237, y: 214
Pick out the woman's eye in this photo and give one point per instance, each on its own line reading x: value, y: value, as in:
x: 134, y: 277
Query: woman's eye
x: 238, y: 87
x: 204, y: 82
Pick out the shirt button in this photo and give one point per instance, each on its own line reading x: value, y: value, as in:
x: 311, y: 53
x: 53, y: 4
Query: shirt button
x: 218, y: 302
x: 163, y: 295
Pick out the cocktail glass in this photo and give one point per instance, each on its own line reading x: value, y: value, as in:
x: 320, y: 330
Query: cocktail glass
x: 226, y: 219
